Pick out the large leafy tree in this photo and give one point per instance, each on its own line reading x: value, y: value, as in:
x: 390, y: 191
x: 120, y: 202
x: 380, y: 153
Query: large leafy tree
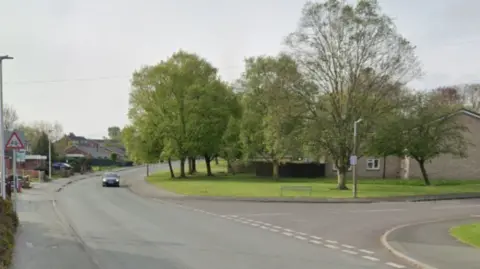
x: 353, y: 55
x: 185, y: 101
x: 273, y: 109
x: 424, y: 130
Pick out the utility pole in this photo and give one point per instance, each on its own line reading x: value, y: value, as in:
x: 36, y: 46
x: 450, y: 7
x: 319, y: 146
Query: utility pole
x: 354, y: 157
x: 2, y: 129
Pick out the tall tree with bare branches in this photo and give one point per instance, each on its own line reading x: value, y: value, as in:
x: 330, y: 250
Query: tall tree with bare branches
x: 356, y: 58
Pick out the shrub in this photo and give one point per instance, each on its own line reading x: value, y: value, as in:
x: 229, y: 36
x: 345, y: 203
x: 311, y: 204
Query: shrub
x: 8, y: 227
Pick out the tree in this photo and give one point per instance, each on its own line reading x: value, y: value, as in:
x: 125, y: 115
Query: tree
x: 41, y: 146
x: 355, y: 58
x: 114, y: 133
x: 423, y: 131
x: 273, y: 111
x: 113, y: 157
x: 185, y: 97
x: 10, y: 117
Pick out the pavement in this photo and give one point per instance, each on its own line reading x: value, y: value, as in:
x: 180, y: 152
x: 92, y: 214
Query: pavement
x: 116, y: 228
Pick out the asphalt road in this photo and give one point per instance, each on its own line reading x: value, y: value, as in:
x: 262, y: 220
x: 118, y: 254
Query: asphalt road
x: 113, y: 228
x: 432, y: 244
x: 358, y: 225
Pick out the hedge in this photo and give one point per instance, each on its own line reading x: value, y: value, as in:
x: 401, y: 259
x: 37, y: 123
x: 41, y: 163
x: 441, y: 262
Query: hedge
x: 8, y: 227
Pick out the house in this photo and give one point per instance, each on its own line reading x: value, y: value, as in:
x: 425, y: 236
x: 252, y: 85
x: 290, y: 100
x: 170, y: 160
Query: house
x: 442, y: 167
x: 94, y: 148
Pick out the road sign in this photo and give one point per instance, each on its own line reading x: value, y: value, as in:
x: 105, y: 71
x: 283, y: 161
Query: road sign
x: 353, y: 160
x: 14, y: 142
x: 21, y: 154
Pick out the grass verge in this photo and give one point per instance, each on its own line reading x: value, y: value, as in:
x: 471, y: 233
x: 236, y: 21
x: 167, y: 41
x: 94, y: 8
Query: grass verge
x: 468, y: 234
x: 8, y: 227
x: 247, y: 185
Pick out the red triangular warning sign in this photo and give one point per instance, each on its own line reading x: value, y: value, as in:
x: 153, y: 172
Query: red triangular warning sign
x: 14, y: 142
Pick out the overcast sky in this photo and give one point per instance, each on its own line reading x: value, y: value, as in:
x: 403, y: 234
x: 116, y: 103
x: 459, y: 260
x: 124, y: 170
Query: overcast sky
x: 74, y: 58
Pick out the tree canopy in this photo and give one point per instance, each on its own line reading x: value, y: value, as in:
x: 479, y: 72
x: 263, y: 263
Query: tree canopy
x: 344, y: 62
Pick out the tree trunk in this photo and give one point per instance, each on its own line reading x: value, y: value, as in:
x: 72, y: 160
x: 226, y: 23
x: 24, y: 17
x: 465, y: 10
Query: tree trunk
x: 341, y: 179
x: 230, y: 167
x: 190, y: 166
x: 424, y: 172
x: 384, y: 175
x: 182, y: 167
x: 172, y: 174
x: 275, y: 167
x: 207, y: 163
x: 216, y: 160
x: 194, y: 165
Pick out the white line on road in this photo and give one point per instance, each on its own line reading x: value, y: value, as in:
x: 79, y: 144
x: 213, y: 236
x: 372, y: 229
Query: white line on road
x: 378, y: 210
x: 30, y: 245
x: 288, y: 230
x: 264, y: 227
x: 288, y: 234
x: 454, y: 206
x: 300, y: 237
x: 331, y: 246
x: 315, y: 242
x: 266, y: 214
x: 267, y: 224
x: 347, y: 246
x: 370, y: 258
x: 254, y: 224
x: 316, y: 237
x: 274, y: 230
x: 392, y: 264
x: 331, y: 241
x: 366, y: 251
x: 350, y: 251
x: 277, y: 227
x: 300, y: 233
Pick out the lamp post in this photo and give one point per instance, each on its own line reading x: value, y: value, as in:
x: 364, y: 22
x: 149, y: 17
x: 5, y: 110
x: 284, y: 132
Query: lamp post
x: 49, y: 155
x: 354, y: 170
x: 2, y: 128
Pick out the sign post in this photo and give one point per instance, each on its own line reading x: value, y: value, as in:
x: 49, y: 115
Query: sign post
x: 14, y: 143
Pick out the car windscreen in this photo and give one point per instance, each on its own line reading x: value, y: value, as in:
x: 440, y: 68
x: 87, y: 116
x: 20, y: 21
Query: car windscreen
x: 110, y: 175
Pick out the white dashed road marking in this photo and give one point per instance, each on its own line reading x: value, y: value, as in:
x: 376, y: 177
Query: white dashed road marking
x: 370, y: 258
x: 395, y: 265
x: 350, y: 251
x: 331, y: 244
x: 366, y: 251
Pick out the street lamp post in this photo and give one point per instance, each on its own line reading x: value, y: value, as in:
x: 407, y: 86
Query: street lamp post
x: 2, y: 129
x: 354, y: 170
x: 49, y: 155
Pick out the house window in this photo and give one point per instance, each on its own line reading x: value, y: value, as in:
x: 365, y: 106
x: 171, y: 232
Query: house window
x: 334, y: 167
x: 373, y: 164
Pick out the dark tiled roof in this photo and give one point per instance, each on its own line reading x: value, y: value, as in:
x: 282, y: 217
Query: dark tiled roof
x: 94, y: 152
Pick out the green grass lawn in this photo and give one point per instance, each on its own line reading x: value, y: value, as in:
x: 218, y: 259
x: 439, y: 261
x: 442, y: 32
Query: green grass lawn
x: 247, y: 185
x: 468, y: 234
x: 103, y: 168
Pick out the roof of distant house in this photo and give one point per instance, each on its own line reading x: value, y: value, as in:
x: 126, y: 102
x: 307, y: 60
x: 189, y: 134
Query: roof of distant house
x: 72, y: 136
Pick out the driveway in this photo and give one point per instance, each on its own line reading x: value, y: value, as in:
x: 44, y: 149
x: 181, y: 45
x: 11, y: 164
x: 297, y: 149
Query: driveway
x: 95, y: 227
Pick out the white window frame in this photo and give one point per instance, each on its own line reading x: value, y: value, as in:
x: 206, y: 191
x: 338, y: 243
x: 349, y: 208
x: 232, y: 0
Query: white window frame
x: 334, y: 168
x: 372, y: 161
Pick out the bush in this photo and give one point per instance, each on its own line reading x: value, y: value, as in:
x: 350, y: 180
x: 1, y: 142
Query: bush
x: 8, y: 227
